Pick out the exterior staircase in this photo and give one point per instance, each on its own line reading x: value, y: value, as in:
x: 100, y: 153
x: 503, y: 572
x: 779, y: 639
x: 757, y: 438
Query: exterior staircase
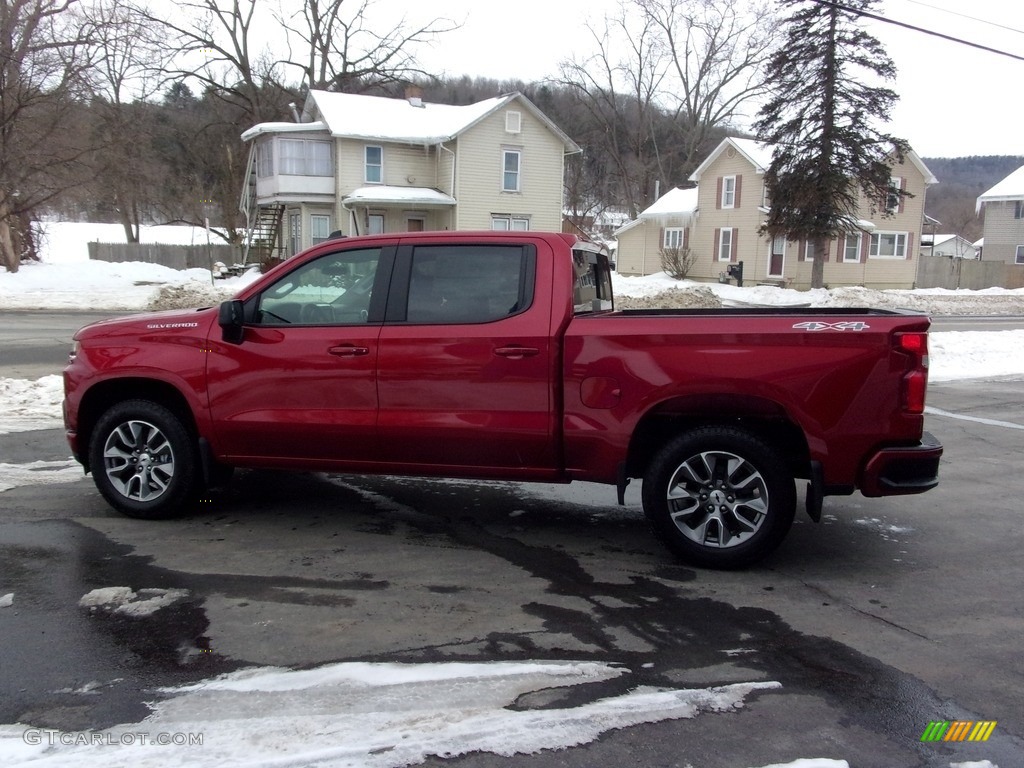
x: 262, y: 222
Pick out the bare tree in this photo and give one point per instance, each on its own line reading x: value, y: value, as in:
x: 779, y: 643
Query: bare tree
x: 340, y: 49
x: 716, y: 53
x: 128, y: 72
x: 620, y: 96
x: 666, y: 77
x: 43, y: 55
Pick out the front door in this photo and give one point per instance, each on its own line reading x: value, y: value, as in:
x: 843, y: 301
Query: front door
x: 777, y: 260
x: 466, y: 366
x: 302, y: 384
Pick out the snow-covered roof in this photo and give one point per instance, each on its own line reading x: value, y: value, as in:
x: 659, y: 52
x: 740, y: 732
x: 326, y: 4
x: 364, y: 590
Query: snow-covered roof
x: 758, y: 153
x: 385, y: 194
x: 355, y: 116
x: 261, y: 128
x: 673, y: 203
x: 1010, y: 188
x: 760, y: 156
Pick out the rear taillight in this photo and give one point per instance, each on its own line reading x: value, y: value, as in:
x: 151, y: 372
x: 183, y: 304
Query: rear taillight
x: 915, y: 381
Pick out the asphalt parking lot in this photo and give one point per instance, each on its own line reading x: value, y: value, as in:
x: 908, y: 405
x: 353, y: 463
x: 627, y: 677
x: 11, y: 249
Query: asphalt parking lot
x: 889, y: 614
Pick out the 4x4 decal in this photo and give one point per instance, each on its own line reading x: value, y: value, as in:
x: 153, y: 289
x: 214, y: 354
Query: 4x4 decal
x: 847, y: 325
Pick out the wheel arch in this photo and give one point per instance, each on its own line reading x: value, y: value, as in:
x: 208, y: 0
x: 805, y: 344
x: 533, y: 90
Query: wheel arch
x: 101, y: 396
x: 764, y: 418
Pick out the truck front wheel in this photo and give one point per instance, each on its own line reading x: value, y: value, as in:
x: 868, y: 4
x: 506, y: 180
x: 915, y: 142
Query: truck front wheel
x: 143, y: 460
x: 718, y: 497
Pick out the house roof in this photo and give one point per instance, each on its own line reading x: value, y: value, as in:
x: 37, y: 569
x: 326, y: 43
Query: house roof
x: 354, y: 116
x: 757, y: 153
x: 383, y: 195
x: 256, y: 130
x: 760, y: 154
x: 675, y: 202
x: 1010, y: 188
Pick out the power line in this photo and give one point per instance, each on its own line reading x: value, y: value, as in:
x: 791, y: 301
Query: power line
x: 965, y: 16
x: 876, y: 17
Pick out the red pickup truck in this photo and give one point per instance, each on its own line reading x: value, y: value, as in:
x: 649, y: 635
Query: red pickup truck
x: 499, y: 355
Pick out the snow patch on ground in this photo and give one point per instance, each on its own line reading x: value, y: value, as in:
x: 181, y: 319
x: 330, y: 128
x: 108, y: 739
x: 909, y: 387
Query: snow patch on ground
x: 127, y: 602
x: 379, y: 716
x: 39, y: 473
x: 31, y: 404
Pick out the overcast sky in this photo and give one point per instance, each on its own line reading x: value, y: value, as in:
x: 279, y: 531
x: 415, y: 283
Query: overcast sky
x: 954, y: 100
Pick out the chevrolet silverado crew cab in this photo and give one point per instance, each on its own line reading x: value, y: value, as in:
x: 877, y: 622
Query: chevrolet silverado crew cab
x: 499, y: 355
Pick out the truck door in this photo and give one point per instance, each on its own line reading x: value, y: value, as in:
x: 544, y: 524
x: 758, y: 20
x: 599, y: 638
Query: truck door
x: 302, y: 383
x: 466, y: 367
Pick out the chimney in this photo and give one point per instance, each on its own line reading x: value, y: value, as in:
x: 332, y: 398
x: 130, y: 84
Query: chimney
x: 414, y: 95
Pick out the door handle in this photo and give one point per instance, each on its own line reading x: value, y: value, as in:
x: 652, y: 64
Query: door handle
x: 349, y: 350
x: 516, y: 353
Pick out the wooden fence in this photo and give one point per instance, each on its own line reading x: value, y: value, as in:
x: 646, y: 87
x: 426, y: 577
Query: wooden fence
x: 953, y: 273
x: 173, y: 256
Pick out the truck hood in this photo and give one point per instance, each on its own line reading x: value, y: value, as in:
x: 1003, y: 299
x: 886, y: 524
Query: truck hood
x: 175, y: 320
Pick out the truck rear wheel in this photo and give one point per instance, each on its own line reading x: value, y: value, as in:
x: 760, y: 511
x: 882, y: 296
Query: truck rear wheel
x: 718, y: 497
x: 143, y: 460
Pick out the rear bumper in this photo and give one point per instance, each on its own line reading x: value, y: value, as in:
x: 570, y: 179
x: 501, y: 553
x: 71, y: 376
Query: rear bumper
x: 903, y: 470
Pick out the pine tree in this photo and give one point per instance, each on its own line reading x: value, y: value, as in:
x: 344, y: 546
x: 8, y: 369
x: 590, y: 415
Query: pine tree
x: 823, y: 122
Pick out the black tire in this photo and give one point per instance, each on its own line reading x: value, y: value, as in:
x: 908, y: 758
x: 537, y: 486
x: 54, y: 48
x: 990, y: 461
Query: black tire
x: 144, y: 461
x: 719, y: 497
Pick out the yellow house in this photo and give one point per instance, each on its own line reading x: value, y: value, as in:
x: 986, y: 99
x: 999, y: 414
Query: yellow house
x: 879, y: 252
x: 359, y: 164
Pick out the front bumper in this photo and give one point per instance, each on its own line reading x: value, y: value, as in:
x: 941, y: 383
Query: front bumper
x: 901, y: 470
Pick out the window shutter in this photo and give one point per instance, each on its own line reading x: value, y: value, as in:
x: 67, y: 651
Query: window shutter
x: 825, y: 252
x: 686, y: 237
x: 733, y: 256
x: 801, y: 249
x: 910, y: 246
x: 661, y: 237
x: 739, y: 184
x: 718, y: 194
x: 903, y: 186
x: 865, y: 247
x: 718, y: 235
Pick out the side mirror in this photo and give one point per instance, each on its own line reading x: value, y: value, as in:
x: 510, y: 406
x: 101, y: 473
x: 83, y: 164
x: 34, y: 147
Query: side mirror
x: 230, y: 319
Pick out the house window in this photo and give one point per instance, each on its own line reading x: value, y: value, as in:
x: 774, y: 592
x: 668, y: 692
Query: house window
x: 510, y: 165
x: 729, y: 192
x: 673, y: 238
x: 264, y: 159
x: 851, y: 248
x: 725, y: 241
x: 1018, y: 209
x: 305, y: 157
x: 808, y: 250
x: 319, y: 227
x: 513, y: 121
x: 505, y: 223
x: 374, y: 165
x: 1020, y: 255
x: 888, y: 245
x: 375, y: 223
x: 892, y: 201
x: 295, y: 233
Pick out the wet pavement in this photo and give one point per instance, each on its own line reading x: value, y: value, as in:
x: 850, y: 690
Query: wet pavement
x: 886, y: 616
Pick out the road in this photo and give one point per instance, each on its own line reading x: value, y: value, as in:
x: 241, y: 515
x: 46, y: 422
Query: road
x: 889, y: 614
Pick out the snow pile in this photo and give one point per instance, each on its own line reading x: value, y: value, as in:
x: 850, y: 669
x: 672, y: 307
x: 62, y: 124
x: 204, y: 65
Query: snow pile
x: 380, y: 716
x: 39, y: 473
x: 28, y: 404
x: 127, y: 602
x: 688, y: 297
